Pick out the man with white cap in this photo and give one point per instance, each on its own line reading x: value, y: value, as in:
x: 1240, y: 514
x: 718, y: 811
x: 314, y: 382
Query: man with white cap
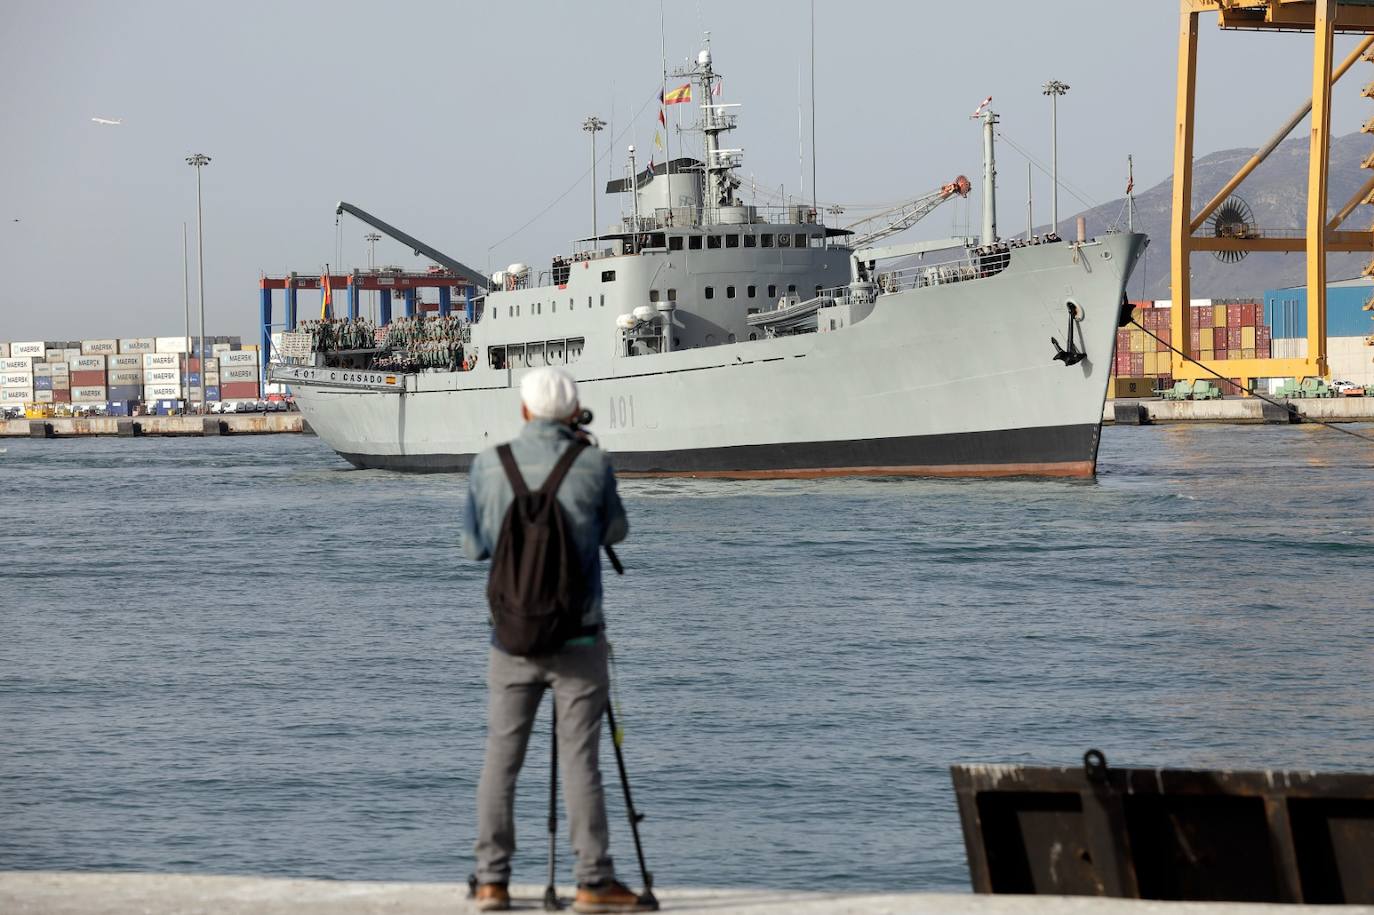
x: 576, y: 670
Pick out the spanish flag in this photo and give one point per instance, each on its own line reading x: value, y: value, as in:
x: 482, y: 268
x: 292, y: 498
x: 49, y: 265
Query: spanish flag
x: 327, y: 299
x: 679, y: 95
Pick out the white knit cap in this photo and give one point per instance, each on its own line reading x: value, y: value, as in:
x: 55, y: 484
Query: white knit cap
x: 549, y: 393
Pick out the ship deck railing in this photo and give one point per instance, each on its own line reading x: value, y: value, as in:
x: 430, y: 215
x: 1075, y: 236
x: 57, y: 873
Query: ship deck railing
x: 968, y: 265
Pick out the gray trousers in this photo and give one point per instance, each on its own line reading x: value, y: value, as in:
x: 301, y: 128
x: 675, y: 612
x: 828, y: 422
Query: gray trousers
x: 581, y: 689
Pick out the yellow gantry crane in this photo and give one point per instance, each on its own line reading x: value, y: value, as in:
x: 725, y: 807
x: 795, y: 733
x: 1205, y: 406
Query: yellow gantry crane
x: 1323, y: 19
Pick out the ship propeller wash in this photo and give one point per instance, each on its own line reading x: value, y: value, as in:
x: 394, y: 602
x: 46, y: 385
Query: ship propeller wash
x: 717, y: 338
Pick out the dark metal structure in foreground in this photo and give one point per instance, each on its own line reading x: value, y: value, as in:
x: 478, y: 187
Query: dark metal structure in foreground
x: 1172, y: 834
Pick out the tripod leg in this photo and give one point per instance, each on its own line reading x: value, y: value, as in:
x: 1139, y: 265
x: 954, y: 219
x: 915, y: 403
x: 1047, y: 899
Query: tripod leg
x: 648, y: 895
x: 551, y: 903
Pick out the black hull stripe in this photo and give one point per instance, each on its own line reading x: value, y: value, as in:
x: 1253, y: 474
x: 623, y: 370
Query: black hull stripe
x: 1052, y: 451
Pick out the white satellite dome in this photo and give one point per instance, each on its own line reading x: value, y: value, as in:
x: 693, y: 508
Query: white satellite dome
x: 643, y: 313
x: 704, y: 58
x: 518, y: 270
x: 625, y: 322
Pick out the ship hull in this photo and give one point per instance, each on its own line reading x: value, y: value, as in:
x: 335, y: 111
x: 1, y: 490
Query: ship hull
x: 952, y: 380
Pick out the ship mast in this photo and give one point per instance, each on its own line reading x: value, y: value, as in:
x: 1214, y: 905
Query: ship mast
x: 720, y: 186
x: 989, y: 119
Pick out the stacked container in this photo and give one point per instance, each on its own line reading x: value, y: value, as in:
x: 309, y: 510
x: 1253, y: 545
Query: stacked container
x: 238, y: 375
x: 61, y: 382
x: 162, y: 374
x: 16, y: 380
x: 88, y: 380
x: 124, y: 374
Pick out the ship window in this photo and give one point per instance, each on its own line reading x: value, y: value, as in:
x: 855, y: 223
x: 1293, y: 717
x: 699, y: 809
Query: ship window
x: 658, y: 240
x: 791, y: 288
x: 751, y: 291
x: 818, y: 289
x: 751, y: 241
x: 608, y: 276
x: 766, y: 240
x: 752, y: 311
x: 672, y: 295
x: 800, y: 240
x: 603, y: 300
x: 653, y: 295
x: 694, y: 242
x: 570, y: 303
x: 675, y: 243
x: 496, y: 356
x: 732, y: 338
x: 732, y: 241
x: 784, y: 240
x: 710, y: 292
x: 574, y: 348
x: 818, y: 241
x: 589, y: 301
x: 729, y: 292
x: 713, y: 241
x: 554, y: 305
x: 753, y: 336
x: 772, y: 291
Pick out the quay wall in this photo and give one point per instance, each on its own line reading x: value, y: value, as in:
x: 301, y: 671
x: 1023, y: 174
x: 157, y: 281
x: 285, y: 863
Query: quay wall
x: 227, y: 424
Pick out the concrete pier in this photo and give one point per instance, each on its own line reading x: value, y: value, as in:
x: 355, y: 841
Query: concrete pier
x: 32, y: 892
x: 1244, y: 410
x: 226, y: 424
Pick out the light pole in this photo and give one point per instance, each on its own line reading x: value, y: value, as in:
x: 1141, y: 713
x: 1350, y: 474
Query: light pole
x: 1054, y: 88
x: 198, y: 161
x: 372, y: 238
x: 186, y: 302
x: 592, y: 125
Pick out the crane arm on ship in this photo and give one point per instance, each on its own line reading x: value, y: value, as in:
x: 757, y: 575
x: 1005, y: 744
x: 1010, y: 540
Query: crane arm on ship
x: 900, y: 218
x: 475, y: 277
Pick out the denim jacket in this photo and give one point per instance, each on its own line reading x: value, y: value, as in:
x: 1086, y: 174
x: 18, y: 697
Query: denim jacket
x: 588, y: 498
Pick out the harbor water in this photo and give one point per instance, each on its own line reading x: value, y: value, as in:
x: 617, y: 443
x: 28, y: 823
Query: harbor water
x: 239, y: 656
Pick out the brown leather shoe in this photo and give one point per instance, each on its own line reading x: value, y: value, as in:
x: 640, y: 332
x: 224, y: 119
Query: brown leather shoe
x: 611, y: 896
x: 492, y: 897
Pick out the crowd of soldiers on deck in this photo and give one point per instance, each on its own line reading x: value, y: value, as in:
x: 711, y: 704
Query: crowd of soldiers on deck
x: 405, y: 345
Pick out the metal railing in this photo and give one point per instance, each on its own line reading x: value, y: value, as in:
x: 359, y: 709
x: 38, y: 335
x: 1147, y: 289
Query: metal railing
x: 968, y: 265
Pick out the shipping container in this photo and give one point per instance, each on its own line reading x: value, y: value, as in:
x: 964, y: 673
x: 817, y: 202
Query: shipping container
x: 1233, y: 339
x: 16, y: 380
x: 238, y: 373
x: 162, y: 392
x: 99, y: 347
x: 193, y: 378
x: 44, y: 396
x: 55, y: 355
x: 211, y: 393
x: 161, y: 361
x: 61, y: 370
x: 61, y: 395
x: 1137, y: 365
x: 241, y: 357
x: 126, y: 361
x: 1218, y: 315
x: 88, y: 379
x: 35, y: 349
x: 119, y: 407
x: 88, y: 394
x: 239, y: 390
x: 138, y: 345
x: 124, y: 376
x: 171, y: 344
x: 1247, y: 337
x: 4, y: 350
x: 1234, y: 318
x: 221, y: 348
x: 87, y: 364
x: 123, y: 392
x: 1204, y: 338
x: 1151, y: 363
x: 61, y: 383
x: 42, y: 384
x: 17, y: 364
x: 162, y: 376
x: 70, y: 353
x: 1250, y: 314
x: 42, y: 370
x: 14, y: 395
x: 1203, y: 317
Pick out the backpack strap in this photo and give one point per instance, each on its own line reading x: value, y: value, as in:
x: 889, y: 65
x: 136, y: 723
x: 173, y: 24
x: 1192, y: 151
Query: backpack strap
x: 517, y: 482
x: 560, y: 470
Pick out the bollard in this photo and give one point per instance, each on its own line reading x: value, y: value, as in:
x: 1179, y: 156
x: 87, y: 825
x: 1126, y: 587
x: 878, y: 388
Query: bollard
x: 1130, y: 413
x: 40, y: 429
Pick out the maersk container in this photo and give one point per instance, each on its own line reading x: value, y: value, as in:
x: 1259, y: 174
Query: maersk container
x: 171, y: 344
x: 89, y: 394
x: 138, y: 345
x: 238, y: 357
x: 70, y: 353
x: 61, y: 370
x: 43, y: 384
x: 43, y: 396
x: 161, y: 392
x: 16, y: 380
x: 55, y: 355
x: 17, y: 364
x: 88, y: 379
x: 87, y: 363
x: 238, y: 373
x: 4, y: 350
x: 125, y: 361
x: 99, y: 347
x: 42, y: 370
x: 125, y: 376
x: 36, y: 349
x: 161, y: 360
x: 14, y: 395
x: 221, y: 348
x: 162, y: 376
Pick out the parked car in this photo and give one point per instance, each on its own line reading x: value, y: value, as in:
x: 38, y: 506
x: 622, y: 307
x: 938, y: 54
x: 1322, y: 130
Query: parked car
x: 1348, y: 388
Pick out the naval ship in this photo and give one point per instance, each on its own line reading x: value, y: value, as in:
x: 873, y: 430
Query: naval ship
x: 716, y: 338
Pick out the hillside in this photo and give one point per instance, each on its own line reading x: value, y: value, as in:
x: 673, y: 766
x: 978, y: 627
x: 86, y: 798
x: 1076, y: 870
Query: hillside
x: 1277, y: 192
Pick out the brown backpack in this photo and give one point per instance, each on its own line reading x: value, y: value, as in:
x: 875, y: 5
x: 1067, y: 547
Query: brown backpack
x: 536, y: 589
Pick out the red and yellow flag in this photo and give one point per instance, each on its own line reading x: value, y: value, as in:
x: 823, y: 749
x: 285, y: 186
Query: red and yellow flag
x: 679, y: 95
x: 327, y: 299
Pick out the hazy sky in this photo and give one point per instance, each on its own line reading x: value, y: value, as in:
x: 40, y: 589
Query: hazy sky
x: 460, y: 121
